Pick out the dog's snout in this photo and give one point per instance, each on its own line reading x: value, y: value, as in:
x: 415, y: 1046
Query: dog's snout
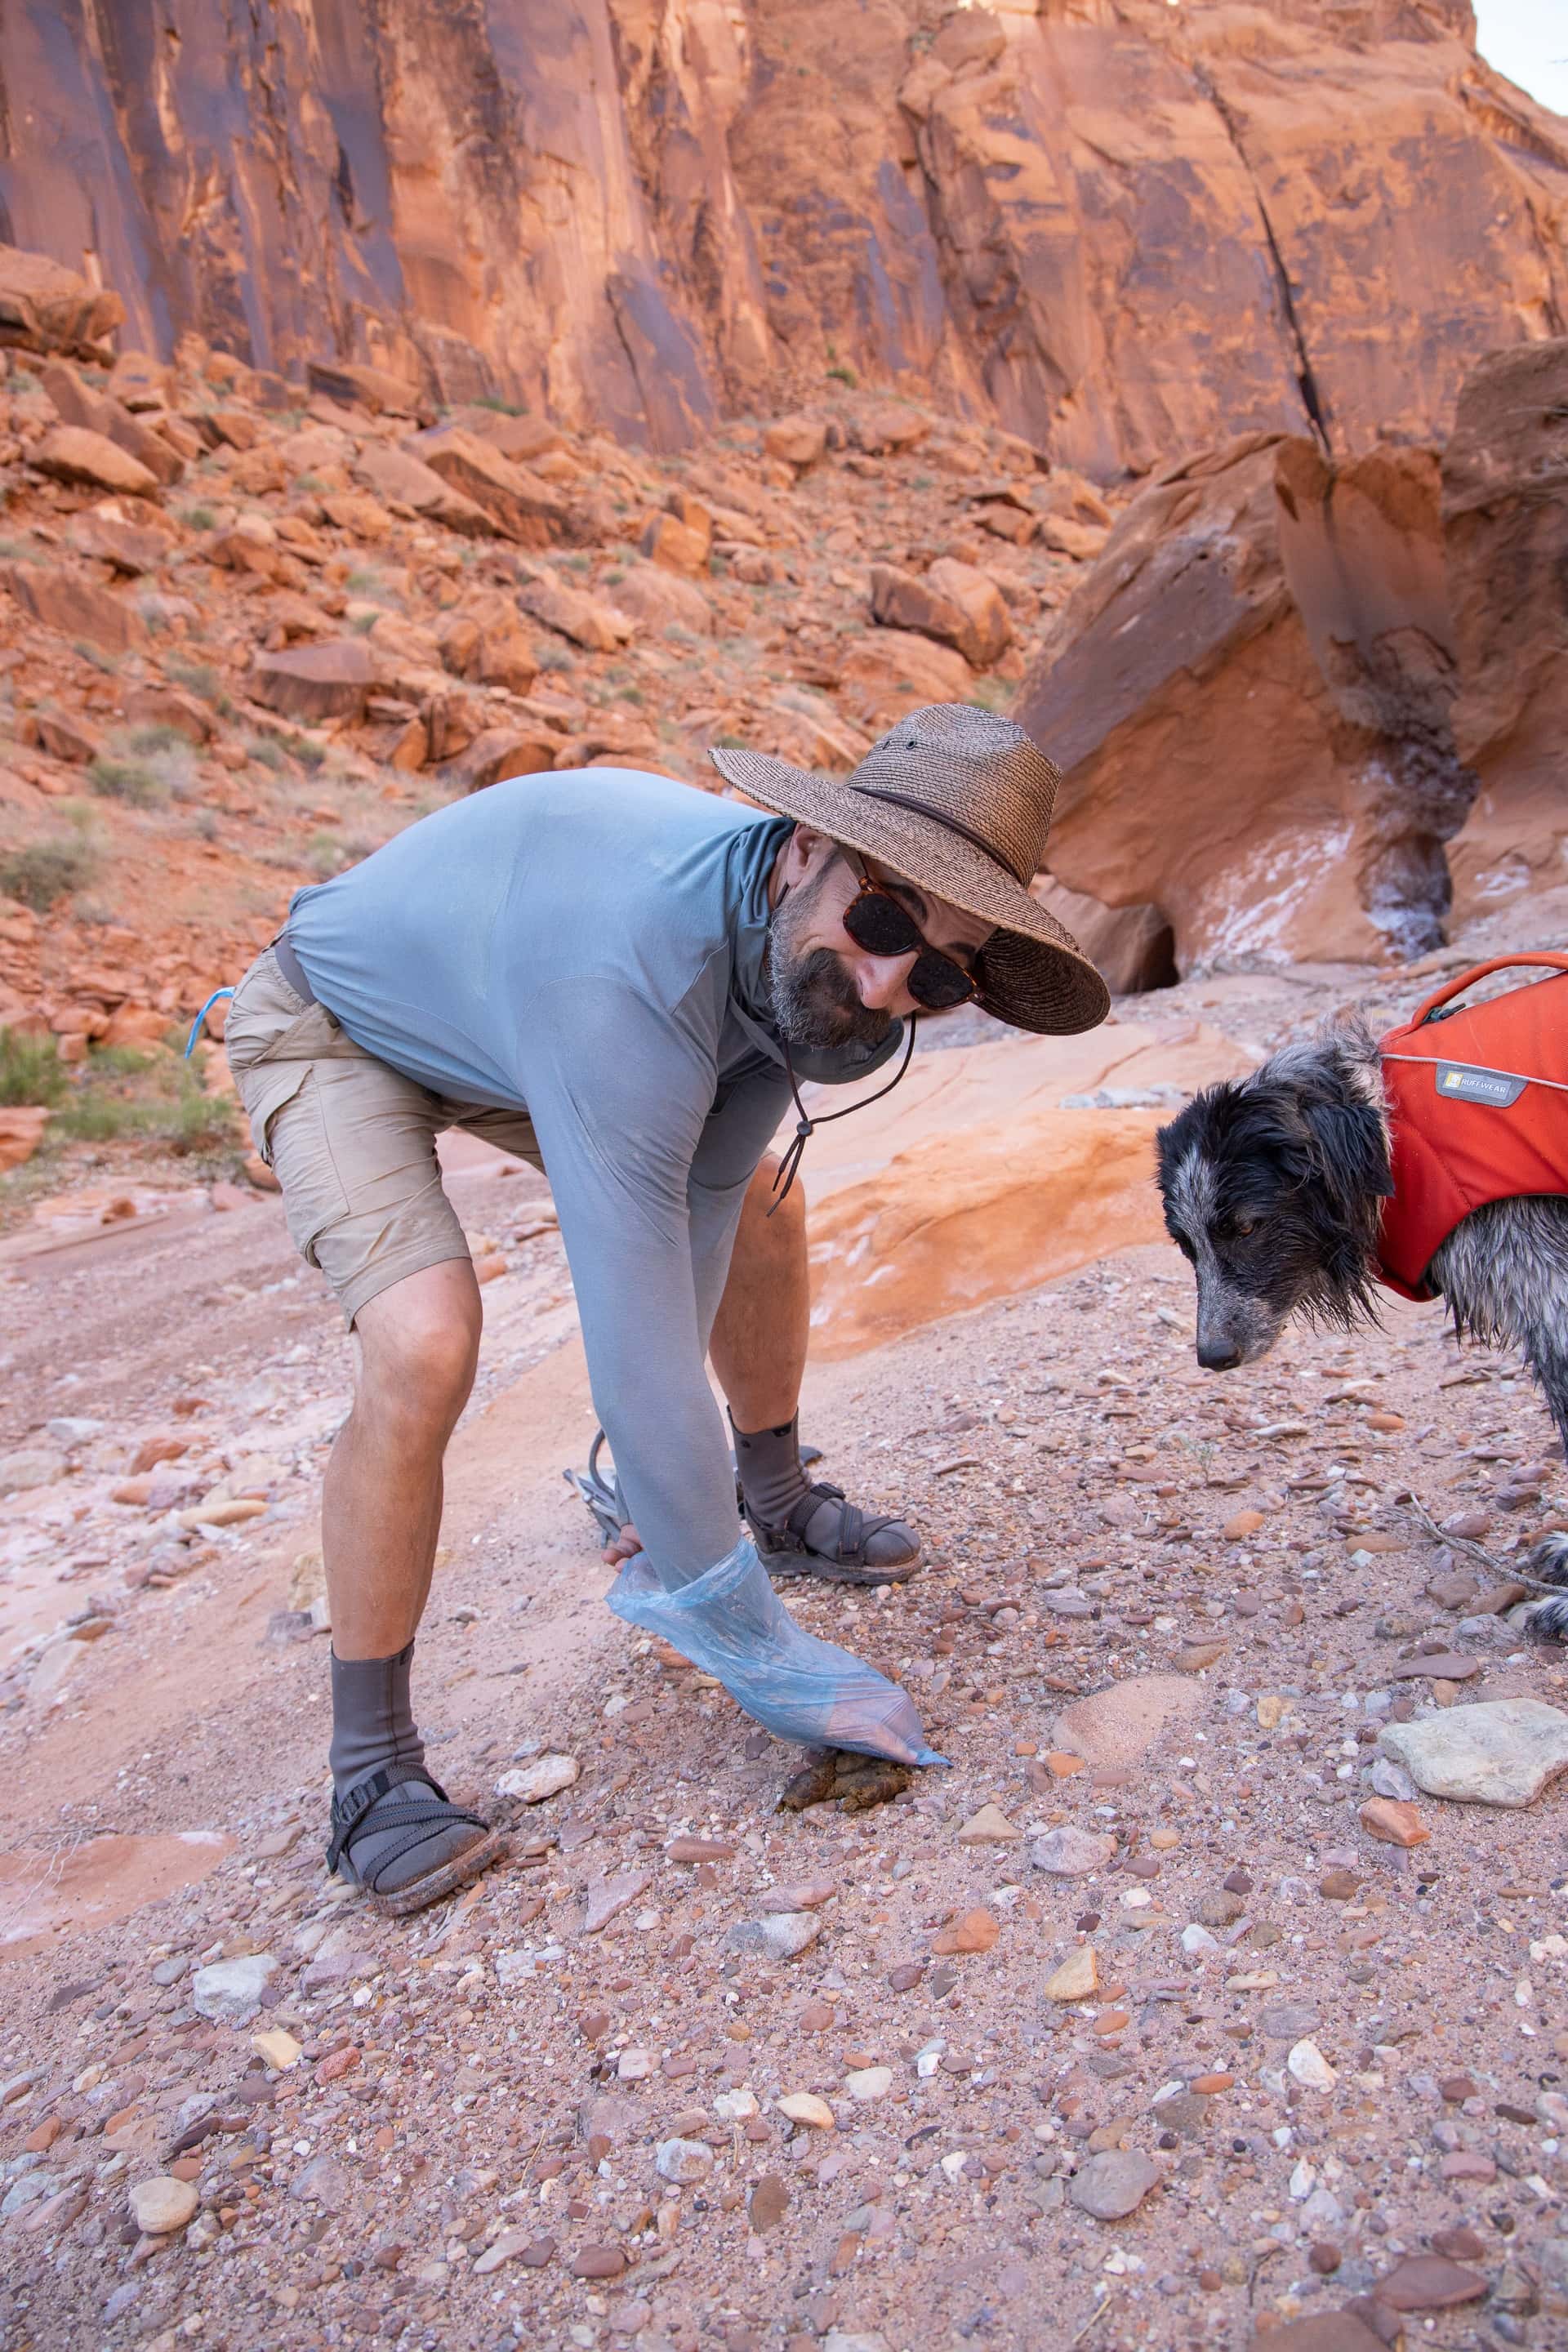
x: 1218, y: 1355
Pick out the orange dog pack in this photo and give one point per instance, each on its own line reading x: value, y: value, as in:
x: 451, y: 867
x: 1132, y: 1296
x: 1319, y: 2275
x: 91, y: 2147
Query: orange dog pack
x: 1477, y: 1101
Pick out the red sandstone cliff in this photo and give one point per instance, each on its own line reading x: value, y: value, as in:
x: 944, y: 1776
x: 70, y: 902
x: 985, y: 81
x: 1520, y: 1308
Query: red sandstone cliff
x: 1122, y: 228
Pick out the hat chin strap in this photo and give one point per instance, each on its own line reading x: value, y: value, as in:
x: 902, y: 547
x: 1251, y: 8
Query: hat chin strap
x: 805, y: 1127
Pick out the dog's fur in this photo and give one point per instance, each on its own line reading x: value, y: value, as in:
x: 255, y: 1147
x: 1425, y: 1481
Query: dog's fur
x: 1273, y: 1188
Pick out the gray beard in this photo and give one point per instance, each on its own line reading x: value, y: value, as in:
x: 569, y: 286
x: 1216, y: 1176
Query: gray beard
x: 816, y: 1004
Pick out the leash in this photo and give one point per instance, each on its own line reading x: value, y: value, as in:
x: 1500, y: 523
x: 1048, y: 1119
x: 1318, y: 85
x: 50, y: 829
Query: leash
x: 216, y: 997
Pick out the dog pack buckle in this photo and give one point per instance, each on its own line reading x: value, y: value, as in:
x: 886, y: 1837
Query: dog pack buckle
x: 1463, y: 1082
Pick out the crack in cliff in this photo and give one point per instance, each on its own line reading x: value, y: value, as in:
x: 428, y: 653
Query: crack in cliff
x: 1312, y: 400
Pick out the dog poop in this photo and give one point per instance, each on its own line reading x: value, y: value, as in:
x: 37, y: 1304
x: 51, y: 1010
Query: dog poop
x: 834, y: 1775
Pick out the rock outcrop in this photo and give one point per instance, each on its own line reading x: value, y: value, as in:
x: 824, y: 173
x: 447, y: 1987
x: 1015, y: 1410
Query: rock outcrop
x: 1505, y: 526
x: 1299, y: 703
x: 1119, y: 232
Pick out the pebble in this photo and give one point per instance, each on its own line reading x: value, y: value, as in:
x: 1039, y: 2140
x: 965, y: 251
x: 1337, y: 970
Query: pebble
x: 277, y: 2048
x: 1243, y: 1524
x: 1393, y: 1823
x: 324, y: 2181
x: 503, y: 2249
x: 1391, y: 1779
x: 229, y: 1991
x: 1077, y: 1976
x: 1449, y: 1665
x: 546, y: 1776
x: 975, y: 1932
x: 1071, y: 1853
x: 1309, y: 2067
x: 868, y: 2082
x: 905, y: 1976
x: 1194, y: 1656
x: 989, y: 1826
x: 1328, y: 2331
x: 1499, y: 1752
x: 768, y: 2203
x: 683, y: 2161
x: 1066, y: 1602
x: 598, y: 2262
x: 803, y: 1894
x: 1111, y: 2184
x: 698, y: 1849
x: 735, y: 2106
x: 783, y: 1936
x: 1429, y: 2283
x: 162, y: 2204
x: 805, y: 2107
x: 611, y: 1896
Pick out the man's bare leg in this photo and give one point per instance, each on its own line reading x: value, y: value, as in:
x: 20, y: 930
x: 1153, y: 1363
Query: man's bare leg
x: 416, y: 1347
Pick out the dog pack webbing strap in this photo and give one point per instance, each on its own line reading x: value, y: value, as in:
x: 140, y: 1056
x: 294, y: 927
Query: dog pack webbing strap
x: 1553, y: 959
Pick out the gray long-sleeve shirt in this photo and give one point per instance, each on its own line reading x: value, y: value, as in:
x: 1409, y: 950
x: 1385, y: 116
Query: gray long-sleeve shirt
x: 589, y: 946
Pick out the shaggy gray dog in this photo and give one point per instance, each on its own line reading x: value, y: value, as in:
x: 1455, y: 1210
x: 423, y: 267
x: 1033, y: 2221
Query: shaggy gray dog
x: 1273, y: 1188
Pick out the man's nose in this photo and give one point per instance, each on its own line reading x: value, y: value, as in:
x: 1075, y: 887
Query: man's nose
x: 880, y: 981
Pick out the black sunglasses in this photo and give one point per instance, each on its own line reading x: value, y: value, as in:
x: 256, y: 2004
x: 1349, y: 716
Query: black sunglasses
x: 875, y: 921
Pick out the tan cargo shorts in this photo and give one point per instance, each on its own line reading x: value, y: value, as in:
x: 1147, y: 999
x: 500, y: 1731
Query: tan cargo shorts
x: 352, y: 1142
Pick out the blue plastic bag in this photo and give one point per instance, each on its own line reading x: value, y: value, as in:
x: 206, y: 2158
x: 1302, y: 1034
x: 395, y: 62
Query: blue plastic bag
x: 731, y: 1622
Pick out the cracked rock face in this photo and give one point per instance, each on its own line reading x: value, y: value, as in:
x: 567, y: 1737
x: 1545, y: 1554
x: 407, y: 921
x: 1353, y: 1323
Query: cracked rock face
x: 657, y: 210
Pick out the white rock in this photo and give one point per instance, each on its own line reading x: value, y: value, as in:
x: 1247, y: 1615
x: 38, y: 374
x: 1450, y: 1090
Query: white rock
x: 1198, y: 1940
x: 805, y: 2107
x: 229, y: 1991
x: 162, y: 2204
x: 545, y: 1777
x: 1072, y: 1852
x: 633, y: 2065
x: 782, y: 1936
x: 1308, y: 2065
x: 1391, y: 1779
x: 683, y: 2160
x: 870, y: 2082
x: 1502, y: 1751
x: 735, y: 2106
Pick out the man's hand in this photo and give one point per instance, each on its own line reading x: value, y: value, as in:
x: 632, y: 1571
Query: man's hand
x: 624, y: 1544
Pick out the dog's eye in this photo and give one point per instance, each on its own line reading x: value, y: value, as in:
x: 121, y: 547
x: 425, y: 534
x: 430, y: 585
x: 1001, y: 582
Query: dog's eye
x: 1244, y: 1226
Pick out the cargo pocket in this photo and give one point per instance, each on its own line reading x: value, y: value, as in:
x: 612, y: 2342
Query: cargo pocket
x: 288, y: 1121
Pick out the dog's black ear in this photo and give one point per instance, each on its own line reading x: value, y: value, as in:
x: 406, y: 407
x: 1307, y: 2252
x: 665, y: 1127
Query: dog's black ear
x: 1352, y: 1160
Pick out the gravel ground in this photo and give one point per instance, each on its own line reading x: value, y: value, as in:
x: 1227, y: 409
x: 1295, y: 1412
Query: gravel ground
x: 1161, y: 1622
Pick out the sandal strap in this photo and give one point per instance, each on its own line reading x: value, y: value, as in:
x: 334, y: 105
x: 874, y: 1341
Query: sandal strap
x: 856, y: 1528
x: 422, y: 1813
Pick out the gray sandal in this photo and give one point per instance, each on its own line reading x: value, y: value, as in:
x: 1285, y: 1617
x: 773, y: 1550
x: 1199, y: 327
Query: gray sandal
x: 419, y: 1817
x: 784, y: 1551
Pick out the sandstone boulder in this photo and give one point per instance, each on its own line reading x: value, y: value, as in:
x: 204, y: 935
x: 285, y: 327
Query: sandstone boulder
x: 1248, y: 696
x: 599, y: 627
x: 405, y: 480
x: 1131, y: 947
x: 76, y: 606
x: 659, y: 600
x: 21, y: 1132
x: 106, y: 533
x: 498, y: 752
x: 889, y: 671
x: 311, y: 683
x: 1505, y: 523
x: 96, y: 411
x: 798, y: 441
x: 71, y: 453
x: 677, y: 546
x: 166, y: 705
x: 44, y: 307
x: 371, y: 387
x: 987, y: 629
x: 522, y: 507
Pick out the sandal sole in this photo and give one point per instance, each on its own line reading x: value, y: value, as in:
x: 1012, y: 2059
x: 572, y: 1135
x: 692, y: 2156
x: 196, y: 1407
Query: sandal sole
x: 463, y: 1868
x: 827, y: 1571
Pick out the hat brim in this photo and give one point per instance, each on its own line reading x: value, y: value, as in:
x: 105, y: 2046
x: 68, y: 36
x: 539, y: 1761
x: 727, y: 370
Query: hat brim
x: 1037, y: 976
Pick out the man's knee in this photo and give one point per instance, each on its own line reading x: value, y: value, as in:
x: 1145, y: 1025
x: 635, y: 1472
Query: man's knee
x: 418, y: 1347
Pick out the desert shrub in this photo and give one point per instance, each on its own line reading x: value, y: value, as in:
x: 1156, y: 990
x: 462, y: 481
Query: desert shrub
x: 196, y: 678
x: 553, y: 658
x: 266, y: 753
x: 96, y: 656
x: 198, y: 518
x: 143, y: 765
x: 48, y: 871
x: 307, y: 751
x: 327, y: 853
x: 154, y: 1097
x: 31, y: 1070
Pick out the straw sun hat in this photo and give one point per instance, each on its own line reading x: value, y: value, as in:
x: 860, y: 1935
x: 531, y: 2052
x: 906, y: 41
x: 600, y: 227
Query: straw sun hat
x: 957, y: 801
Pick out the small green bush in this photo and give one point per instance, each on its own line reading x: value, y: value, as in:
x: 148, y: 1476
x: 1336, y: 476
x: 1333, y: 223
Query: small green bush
x: 196, y: 678
x: 198, y: 518
x: 47, y: 872
x: 266, y: 753
x: 31, y: 1070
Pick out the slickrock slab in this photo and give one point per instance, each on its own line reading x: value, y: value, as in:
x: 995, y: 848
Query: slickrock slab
x: 1500, y: 1752
x: 1119, y: 1726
